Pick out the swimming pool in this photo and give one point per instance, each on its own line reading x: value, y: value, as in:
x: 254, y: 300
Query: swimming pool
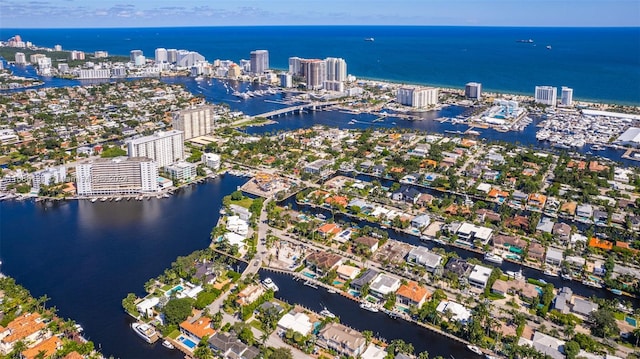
x: 187, y: 342
x: 631, y: 321
x: 354, y: 293
x: 310, y: 275
x: 175, y: 289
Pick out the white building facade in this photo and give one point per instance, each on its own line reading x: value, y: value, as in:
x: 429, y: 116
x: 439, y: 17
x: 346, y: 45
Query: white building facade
x: 194, y: 122
x: 119, y: 175
x: 546, y: 95
x: 417, y: 96
x: 163, y: 147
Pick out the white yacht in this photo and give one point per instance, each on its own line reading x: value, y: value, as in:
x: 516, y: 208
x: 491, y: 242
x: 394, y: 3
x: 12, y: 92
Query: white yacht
x: 167, y: 344
x: 493, y: 258
x: 474, y: 349
x: 268, y: 283
x: 327, y: 313
x: 368, y: 306
x: 144, y: 331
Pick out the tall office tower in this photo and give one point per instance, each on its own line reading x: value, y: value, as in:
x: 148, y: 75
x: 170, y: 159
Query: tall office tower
x: 417, y: 96
x: 163, y: 147
x: 566, y: 98
x: 259, y: 61
x: 161, y: 55
x: 473, y: 90
x: 295, y: 68
x: 172, y: 56
x: 546, y: 95
x: 315, y: 71
x: 119, y: 175
x: 133, y: 54
x: 194, y: 122
x: 336, y: 69
x: 21, y: 59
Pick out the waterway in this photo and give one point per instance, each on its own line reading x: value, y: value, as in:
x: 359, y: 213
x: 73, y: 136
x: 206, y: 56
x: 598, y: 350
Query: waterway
x: 87, y: 256
x: 221, y: 91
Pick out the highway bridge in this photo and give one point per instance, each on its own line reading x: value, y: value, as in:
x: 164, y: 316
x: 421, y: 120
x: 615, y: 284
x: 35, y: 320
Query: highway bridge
x: 296, y: 109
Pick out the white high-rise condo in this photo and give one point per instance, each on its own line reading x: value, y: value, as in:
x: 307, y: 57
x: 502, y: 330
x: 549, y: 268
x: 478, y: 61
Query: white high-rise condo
x: 259, y: 61
x: 119, y: 175
x: 546, y: 95
x: 315, y: 71
x: 336, y: 69
x: 161, y: 55
x: 417, y: 96
x: 163, y: 147
x: 194, y: 122
x: 172, y: 56
x: 295, y: 68
x: 566, y: 98
x: 134, y: 54
x: 473, y: 90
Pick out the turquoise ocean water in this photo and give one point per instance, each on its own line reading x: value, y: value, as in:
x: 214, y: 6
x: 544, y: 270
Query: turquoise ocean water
x: 601, y: 64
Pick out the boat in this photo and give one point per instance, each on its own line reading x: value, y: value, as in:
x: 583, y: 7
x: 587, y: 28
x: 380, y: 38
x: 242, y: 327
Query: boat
x: 527, y: 41
x: 103, y: 199
x: 321, y: 216
x: 327, y: 313
x: 550, y: 273
x: 542, y: 281
x: 370, y: 39
x: 566, y: 276
x: 454, y: 132
x: 93, y: 200
x: 590, y: 283
x: 79, y: 328
x: 488, y: 356
x: 166, y: 344
x: 474, y: 349
x: 515, y: 275
x: 615, y: 291
x: 548, y: 47
x: 332, y: 291
x: 309, y: 284
x: 493, y: 258
x: 268, y: 283
x: 473, y: 133
x: 144, y: 331
x: 118, y: 199
x: 368, y: 306
x: 597, y: 147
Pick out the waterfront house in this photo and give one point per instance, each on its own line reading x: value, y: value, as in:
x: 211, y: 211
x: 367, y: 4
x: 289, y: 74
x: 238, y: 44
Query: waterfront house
x: 422, y: 256
x: 536, y: 252
x: 479, y: 276
x: 48, y: 346
x: 470, y: 233
x: 250, y: 294
x: 406, y: 194
x: 569, y: 208
x: 526, y: 291
x: 458, y: 311
x: 197, y: 328
x: 554, y: 256
x: 342, y: 339
x: 364, y: 279
x: 562, y: 231
x: 545, y: 344
x: 421, y: 221
x: 563, y: 300
x: 600, y: 218
x: 297, y: 321
x: 457, y: 267
x: 498, y: 195
x: 384, y: 284
x: 322, y: 262
x: 373, y: 352
x: 575, y: 262
x: 583, y: 307
x: 205, y: 272
x: 584, y: 212
x: 412, y: 294
x: 319, y: 167
x: 518, y: 199
x: 227, y: 345
x: 240, y: 211
x: 424, y: 199
x: 145, y: 307
x: 328, y: 230
x: 487, y: 215
x: 518, y: 222
x: 26, y: 328
x: 347, y: 272
x: 369, y: 242
x: 509, y: 243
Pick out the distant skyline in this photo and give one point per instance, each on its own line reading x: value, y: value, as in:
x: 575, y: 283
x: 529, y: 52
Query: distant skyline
x: 169, y: 13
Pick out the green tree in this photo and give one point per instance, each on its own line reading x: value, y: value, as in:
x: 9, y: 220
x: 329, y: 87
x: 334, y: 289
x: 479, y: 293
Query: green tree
x: 603, y: 323
x: 281, y: 353
x: 571, y: 349
x: 177, y: 310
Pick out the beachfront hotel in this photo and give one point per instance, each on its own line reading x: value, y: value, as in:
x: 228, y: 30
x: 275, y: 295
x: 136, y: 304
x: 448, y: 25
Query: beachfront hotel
x: 566, y: 98
x: 546, y: 95
x: 417, y: 96
x: 259, y: 61
x: 473, y: 90
x: 164, y: 147
x: 194, y: 122
x: 119, y: 175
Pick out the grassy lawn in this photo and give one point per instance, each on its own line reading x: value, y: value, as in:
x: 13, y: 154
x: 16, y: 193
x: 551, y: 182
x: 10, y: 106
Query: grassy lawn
x: 494, y: 296
x: 174, y: 334
x: 256, y: 324
x: 166, y: 287
x: 618, y: 315
x: 245, y: 202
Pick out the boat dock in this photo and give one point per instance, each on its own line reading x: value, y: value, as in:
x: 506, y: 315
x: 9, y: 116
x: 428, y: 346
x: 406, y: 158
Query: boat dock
x: 632, y: 154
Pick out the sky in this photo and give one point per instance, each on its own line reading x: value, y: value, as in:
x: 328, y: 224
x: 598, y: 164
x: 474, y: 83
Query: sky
x: 169, y: 13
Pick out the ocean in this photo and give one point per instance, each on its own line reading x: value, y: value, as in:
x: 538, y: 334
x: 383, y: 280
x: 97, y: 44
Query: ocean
x: 600, y: 64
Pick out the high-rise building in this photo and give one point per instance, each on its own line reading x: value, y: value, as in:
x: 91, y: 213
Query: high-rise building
x: 546, y: 95
x: 161, y: 55
x: 295, y: 69
x: 76, y: 55
x: 194, y: 122
x: 21, y: 59
x: 286, y: 80
x: 315, y: 72
x: 163, y: 147
x: 566, y: 98
x: 259, y: 61
x: 33, y: 58
x: 49, y: 176
x: 57, y: 48
x: 417, y: 96
x: 140, y: 60
x: 473, y: 90
x: 234, y: 71
x: 172, y: 56
x: 133, y: 54
x: 119, y: 175
x: 336, y: 69
x: 337, y: 86
x: 188, y: 58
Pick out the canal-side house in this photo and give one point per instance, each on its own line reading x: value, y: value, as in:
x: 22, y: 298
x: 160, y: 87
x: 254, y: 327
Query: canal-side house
x: 479, y: 276
x: 364, y: 279
x: 297, y: 321
x: 518, y: 199
x: 509, y: 243
x: 421, y: 221
x: 406, y: 194
x: 384, y: 284
x: 45, y: 349
x: 535, y: 252
x: 458, y: 268
x: 422, y: 256
x: 27, y: 328
x: 227, y: 345
x: 468, y: 233
x: 554, y: 256
x: 526, y: 291
x: 206, y: 272
x: 342, y: 339
x: 328, y: 230
x: 197, y: 327
x: 321, y: 167
x: 146, y: 306
x: 545, y: 344
x: 347, y: 272
x: 412, y: 294
x: 536, y: 202
x: 322, y: 262
x: 458, y: 311
x: 250, y: 294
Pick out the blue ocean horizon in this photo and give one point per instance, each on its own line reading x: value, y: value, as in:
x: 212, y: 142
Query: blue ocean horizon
x: 600, y: 64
